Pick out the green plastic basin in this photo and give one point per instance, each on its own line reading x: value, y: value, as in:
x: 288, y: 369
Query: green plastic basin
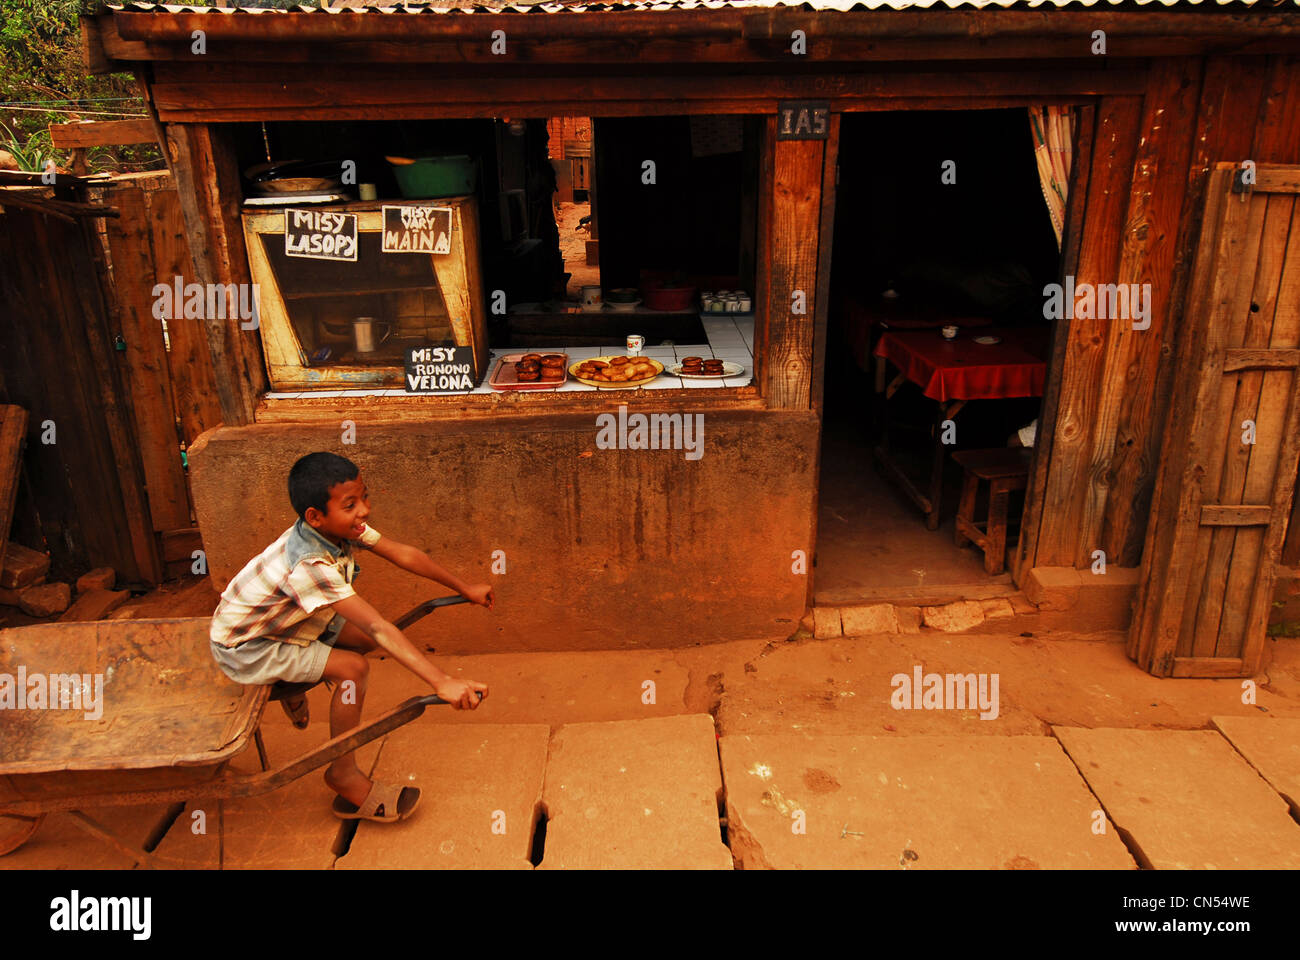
x: 449, y: 176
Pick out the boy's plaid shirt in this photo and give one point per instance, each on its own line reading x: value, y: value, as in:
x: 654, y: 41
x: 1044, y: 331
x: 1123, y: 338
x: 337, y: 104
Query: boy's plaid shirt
x: 284, y: 593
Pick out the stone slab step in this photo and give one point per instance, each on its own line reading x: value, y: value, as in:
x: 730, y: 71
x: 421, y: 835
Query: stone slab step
x: 1185, y: 798
x: 1271, y: 746
x: 287, y: 829
x: 481, y: 787
x: 919, y: 802
x: 634, y: 794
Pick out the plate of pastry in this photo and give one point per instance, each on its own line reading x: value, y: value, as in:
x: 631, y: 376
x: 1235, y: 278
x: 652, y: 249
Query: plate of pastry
x: 705, y: 368
x: 529, y: 371
x: 616, y: 372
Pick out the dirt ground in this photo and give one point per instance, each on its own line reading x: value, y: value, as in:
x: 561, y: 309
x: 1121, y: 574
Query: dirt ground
x: 746, y: 732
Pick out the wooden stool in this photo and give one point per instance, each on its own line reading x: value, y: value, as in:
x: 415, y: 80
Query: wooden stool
x: 1006, y: 469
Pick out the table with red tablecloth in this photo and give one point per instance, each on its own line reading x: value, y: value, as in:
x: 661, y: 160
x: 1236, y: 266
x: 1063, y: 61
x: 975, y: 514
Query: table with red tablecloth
x: 961, y: 369
x: 953, y: 372
x: 866, y: 320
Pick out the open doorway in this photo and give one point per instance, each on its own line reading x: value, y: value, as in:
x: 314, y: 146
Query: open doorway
x: 937, y: 349
x: 570, y: 148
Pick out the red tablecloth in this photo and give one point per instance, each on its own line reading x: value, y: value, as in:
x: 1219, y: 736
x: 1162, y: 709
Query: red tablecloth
x: 863, y: 320
x: 962, y: 369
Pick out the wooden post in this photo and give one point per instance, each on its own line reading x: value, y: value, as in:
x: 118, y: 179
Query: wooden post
x: 207, y: 183
x: 1135, y: 383
x: 821, y: 310
x: 1061, y: 540
x: 1036, y: 492
x: 795, y: 221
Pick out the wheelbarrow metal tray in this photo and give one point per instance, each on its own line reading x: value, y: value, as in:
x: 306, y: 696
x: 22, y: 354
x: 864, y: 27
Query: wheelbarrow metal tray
x: 169, y: 715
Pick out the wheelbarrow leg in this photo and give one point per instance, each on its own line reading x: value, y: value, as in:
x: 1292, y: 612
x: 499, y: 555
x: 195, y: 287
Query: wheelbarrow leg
x: 162, y: 826
x: 96, y: 830
x: 261, y: 748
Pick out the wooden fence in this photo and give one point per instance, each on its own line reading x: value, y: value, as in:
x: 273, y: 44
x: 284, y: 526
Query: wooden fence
x: 167, y: 367
x: 125, y: 392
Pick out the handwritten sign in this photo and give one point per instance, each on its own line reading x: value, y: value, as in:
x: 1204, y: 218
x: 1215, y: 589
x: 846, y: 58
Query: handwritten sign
x: 409, y: 229
x: 803, y: 119
x: 320, y: 235
x: 439, y: 369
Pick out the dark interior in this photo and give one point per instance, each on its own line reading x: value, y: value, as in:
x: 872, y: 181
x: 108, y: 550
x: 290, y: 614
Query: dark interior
x: 696, y: 223
x: 984, y: 246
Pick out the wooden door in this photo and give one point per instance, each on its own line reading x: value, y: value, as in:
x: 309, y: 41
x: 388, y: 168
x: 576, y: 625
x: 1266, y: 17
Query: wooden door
x: 1223, y: 494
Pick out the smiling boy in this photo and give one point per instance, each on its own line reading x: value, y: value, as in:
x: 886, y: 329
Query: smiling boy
x: 292, y: 614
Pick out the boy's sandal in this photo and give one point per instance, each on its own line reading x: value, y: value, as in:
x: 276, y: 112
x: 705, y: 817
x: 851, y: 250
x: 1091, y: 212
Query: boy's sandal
x: 386, y: 803
x: 296, y: 708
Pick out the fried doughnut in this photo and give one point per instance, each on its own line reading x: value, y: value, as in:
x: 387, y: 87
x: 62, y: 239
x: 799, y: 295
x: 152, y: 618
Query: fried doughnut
x: 619, y: 361
x: 686, y: 360
x: 530, y: 356
x: 524, y: 376
x: 528, y: 366
x: 552, y: 373
x: 553, y: 360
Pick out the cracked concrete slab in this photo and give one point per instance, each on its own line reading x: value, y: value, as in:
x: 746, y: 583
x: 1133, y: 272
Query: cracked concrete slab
x: 1272, y: 747
x: 634, y: 794
x: 1185, y: 798
x: 481, y: 787
x: 843, y: 686
x: 290, y: 828
x: 555, y: 688
x: 921, y: 802
x: 846, y: 686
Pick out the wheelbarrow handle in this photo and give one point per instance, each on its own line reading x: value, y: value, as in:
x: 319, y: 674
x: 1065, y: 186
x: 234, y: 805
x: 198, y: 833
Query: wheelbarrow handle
x: 422, y: 610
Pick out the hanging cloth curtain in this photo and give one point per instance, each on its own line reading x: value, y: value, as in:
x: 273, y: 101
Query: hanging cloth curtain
x: 1053, y: 129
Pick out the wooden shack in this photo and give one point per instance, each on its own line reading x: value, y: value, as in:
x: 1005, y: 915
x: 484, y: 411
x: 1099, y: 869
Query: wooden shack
x: 1160, y: 486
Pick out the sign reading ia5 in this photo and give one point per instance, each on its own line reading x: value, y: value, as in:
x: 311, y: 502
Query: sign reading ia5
x: 803, y: 119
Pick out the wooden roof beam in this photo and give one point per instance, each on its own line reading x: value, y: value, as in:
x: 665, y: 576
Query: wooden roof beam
x: 748, y: 24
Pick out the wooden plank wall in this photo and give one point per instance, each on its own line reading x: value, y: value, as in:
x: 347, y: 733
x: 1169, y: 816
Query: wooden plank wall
x: 87, y: 487
x: 173, y: 390
x: 1150, y: 163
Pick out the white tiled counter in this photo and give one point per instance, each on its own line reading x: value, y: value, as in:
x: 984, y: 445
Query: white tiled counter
x: 730, y: 339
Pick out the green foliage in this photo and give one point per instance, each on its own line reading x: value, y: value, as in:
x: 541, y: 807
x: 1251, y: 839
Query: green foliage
x: 32, y: 153
x: 43, y: 80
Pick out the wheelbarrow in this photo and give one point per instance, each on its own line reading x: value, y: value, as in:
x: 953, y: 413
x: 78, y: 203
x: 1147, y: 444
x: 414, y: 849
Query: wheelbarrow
x: 169, y: 721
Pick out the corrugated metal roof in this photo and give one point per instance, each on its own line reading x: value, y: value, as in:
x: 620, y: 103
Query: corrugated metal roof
x: 345, y: 7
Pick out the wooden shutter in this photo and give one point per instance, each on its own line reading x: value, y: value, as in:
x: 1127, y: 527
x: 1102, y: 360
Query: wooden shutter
x: 1221, y: 504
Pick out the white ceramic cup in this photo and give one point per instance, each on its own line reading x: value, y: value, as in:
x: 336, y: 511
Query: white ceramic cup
x: 635, y: 342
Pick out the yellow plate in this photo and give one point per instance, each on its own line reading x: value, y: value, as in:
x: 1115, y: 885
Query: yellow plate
x: 573, y: 372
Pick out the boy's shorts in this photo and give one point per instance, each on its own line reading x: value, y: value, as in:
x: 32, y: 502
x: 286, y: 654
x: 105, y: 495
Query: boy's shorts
x: 265, y: 661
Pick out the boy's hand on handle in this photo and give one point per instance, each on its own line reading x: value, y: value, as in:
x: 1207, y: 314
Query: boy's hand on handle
x: 480, y: 593
x: 461, y: 694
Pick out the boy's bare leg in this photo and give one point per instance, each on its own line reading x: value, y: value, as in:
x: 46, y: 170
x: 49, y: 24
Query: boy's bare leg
x: 350, y: 672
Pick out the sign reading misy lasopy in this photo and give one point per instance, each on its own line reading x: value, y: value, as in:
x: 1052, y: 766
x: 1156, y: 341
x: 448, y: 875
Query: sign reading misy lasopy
x: 320, y: 235
x: 416, y: 229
